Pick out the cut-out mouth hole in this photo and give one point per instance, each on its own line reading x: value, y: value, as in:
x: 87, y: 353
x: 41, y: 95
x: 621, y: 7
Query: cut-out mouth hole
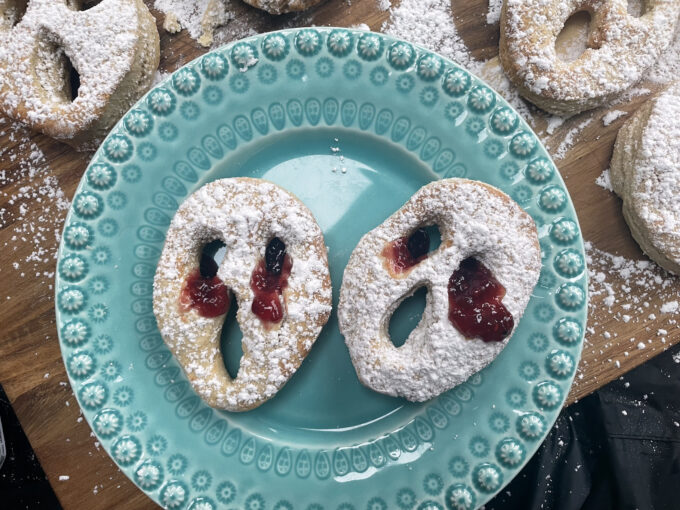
x: 231, y: 341
x: 12, y: 14
x: 231, y: 336
x: 572, y: 41
x: 407, y: 316
x: 475, y: 307
x: 637, y: 8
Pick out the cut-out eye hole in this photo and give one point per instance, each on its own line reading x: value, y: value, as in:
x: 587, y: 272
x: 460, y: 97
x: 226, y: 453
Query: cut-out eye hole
x: 274, y: 256
x: 637, y: 8
x: 73, y: 80
x: 407, y: 251
x: 407, y: 316
x: 572, y: 41
x: 12, y: 13
x: 211, y: 256
x: 230, y: 342
x: 423, y: 241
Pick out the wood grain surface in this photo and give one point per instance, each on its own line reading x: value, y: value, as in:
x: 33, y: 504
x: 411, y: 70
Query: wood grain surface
x: 31, y: 368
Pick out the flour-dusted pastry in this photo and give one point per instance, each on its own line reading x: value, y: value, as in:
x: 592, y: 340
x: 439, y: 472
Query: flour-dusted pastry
x: 479, y: 281
x: 275, y: 264
x: 645, y: 173
x: 620, y: 48
x: 282, y: 6
x: 70, y: 73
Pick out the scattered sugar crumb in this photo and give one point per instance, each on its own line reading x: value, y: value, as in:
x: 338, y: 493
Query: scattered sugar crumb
x: 569, y: 139
x: 669, y: 307
x: 493, y: 15
x: 63, y: 478
x: 611, y: 116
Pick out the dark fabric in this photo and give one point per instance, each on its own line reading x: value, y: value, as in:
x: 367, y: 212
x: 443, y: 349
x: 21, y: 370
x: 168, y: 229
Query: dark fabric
x: 22, y: 481
x: 618, y: 449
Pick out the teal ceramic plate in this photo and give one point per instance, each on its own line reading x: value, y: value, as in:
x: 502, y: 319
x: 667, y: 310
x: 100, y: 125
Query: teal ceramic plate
x: 353, y: 123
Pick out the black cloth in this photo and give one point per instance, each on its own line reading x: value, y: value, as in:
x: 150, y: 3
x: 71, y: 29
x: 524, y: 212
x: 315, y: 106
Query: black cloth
x: 22, y: 481
x: 617, y: 449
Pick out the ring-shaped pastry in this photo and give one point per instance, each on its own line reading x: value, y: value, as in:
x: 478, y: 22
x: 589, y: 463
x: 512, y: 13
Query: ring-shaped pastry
x: 620, y: 48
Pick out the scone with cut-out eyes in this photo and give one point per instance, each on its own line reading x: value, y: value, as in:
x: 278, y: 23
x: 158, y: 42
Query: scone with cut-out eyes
x: 276, y: 266
x: 479, y: 281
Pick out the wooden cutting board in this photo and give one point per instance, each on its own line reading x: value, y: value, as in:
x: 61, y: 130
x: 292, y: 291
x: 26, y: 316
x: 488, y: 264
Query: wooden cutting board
x: 31, y: 369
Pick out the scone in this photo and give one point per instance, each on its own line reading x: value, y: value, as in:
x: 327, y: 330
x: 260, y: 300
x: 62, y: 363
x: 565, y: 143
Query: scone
x: 620, y: 48
x: 645, y: 173
x: 276, y: 266
x: 479, y: 281
x: 72, y: 74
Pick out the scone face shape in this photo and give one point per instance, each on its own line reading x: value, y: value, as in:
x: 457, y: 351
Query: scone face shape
x: 645, y: 172
x: 245, y: 214
x: 620, y: 48
x: 475, y: 220
x: 113, y: 47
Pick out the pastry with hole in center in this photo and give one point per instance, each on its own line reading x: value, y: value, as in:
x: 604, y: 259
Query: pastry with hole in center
x: 645, y: 173
x: 275, y: 266
x: 71, y: 71
x: 621, y: 45
x: 479, y: 281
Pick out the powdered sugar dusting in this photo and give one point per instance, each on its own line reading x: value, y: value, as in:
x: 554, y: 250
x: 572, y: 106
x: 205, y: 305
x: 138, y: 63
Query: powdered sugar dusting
x: 646, y: 174
x: 430, y: 24
x: 198, y: 17
x: 570, y: 138
x: 626, y: 47
x: 493, y: 15
x: 114, y: 55
x: 612, y: 115
x: 636, y: 292
x: 245, y: 214
x: 435, y: 357
x: 604, y: 180
x: 36, y: 206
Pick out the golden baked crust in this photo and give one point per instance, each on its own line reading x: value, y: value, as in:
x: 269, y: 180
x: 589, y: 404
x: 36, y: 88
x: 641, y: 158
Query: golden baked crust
x: 114, y: 47
x: 245, y: 214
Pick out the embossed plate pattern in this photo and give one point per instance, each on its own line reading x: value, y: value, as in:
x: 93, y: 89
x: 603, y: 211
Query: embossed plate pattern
x: 353, y: 123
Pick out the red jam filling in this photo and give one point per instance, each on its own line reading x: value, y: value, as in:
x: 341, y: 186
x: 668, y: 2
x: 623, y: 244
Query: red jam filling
x: 268, y: 281
x: 406, y: 252
x: 204, y: 292
x: 475, y: 307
